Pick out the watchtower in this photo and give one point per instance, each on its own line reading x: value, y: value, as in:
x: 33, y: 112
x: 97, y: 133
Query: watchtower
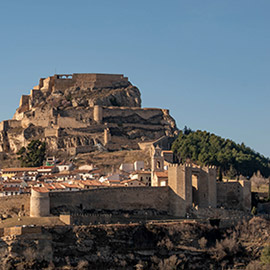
x: 191, y: 186
x: 39, y: 202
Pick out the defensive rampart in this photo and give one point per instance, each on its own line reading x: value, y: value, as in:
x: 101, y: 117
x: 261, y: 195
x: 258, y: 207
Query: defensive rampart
x: 234, y: 195
x: 125, y: 198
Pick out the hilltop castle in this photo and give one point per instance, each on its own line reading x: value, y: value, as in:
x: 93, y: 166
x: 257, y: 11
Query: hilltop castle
x: 77, y: 112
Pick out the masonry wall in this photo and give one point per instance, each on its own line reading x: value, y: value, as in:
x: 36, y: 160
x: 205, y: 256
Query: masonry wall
x: 125, y: 198
x: 234, y: 195
x: 51, y: 132
x: 179, y: 200
x: 4, y: 125
x: 39, y: 117
x: 70, y: 122
x: 145, y: 113
x: 87, y: 80
x: 9, y: 204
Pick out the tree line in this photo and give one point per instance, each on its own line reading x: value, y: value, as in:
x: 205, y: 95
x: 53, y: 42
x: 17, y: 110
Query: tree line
x: 231, y: 159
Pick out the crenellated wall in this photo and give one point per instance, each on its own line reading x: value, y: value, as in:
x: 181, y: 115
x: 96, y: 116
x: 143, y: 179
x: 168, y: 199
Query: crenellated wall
x: 125, y: 198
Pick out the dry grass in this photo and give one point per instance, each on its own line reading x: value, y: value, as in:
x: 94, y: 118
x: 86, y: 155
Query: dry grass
x: 41, y: 221
x: 107, y: 160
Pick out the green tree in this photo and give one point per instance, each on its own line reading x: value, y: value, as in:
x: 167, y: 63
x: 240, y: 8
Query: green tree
x: 230, y: 158
x: 33, y: 155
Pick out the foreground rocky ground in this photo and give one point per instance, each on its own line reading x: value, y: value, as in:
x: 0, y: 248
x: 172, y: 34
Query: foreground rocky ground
x: 177, y: 245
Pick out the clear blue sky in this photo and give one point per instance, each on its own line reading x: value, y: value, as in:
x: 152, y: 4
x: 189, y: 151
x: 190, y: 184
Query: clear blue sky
x: 207, y: 61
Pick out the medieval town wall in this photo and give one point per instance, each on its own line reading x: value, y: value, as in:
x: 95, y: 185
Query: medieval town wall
x: 124, y: 198
x: 234, y: 195
x: 176, y: 181
x: 22, y: 230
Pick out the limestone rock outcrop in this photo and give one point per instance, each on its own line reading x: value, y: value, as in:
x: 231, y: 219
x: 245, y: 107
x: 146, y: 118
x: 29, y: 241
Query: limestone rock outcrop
x: 84, y: 112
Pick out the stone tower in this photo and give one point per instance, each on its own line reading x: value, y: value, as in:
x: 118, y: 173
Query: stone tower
x: 39, y: 202
x: 107, y: 136
x: 98, y: 114
x: 191, y: 186
x: 157, y: 164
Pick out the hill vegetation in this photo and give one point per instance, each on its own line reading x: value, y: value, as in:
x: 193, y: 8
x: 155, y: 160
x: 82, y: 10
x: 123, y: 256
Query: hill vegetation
x: 33, y: 155
x: 231, y: 159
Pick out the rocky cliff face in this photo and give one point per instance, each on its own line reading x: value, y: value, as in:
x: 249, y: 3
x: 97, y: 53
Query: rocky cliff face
x: 177, y: 245
x: 81, y: 112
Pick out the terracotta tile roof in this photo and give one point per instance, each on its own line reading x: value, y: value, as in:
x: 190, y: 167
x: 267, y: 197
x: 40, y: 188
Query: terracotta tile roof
x: 162, y: 174
x: 40, y: 189
x: 67, y: 185
x: 92, y: 183
x: 11, y: 189
x: 12, y: 182
x: 49, y: 186
x: 10, y: 170
x: 45, y: 167
x: 82, y: 171
x: 58, y: 186
x: 141, y: 172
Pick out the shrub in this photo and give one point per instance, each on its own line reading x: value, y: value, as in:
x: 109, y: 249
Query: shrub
x: 169, y: 264
x: 265, y: 257
x: 202, y: 242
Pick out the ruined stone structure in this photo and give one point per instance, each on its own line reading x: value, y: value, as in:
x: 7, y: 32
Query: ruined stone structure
x: 84, y: 110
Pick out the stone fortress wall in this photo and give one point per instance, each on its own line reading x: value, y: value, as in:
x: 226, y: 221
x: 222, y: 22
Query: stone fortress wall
x: 61, y: 82
x: 123, y: 198
x: 77, y: 123
x: 193, y: 186
x: 234, y: 194
x: 189, y: 187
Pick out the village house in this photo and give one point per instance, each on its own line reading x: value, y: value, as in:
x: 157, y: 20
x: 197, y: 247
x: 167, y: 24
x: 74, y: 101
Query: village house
x: 10, y: 172
x: 142, y: 176
x: 90, y: 184
x: 133, y: 183
x: 130, y: 167
x: 10, y: 191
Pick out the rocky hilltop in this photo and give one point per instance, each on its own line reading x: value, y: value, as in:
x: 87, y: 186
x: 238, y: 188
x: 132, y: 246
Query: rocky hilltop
x: 80, y: 113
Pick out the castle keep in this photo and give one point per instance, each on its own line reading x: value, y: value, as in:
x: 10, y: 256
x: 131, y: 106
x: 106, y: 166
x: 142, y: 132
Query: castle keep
x: 81, y: 111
